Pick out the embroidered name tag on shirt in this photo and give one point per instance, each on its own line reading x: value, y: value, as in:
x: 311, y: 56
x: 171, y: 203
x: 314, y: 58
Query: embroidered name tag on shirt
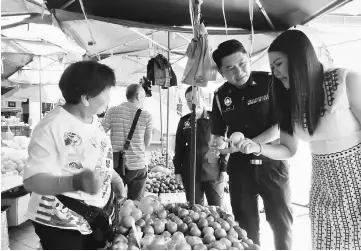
x: 257, y: 100
x: 228, y: 109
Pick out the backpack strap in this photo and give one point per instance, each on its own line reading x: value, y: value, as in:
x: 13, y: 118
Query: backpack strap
x: 132, y: 129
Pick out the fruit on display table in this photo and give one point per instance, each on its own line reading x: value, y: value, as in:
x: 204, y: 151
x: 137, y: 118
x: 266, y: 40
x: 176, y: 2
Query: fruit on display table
x: 157, y: 159
x: 221, y: 143
x: 162, y: 183
x: 14, y: 155
x: 177, y: 227
x: 236, y: 137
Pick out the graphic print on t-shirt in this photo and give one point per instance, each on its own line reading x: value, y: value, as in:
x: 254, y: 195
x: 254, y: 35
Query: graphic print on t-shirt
x: 72, y: 139
x: 76, y: 165
x: 101, y: 126
x: 53, y: 213
x: 103, y: 160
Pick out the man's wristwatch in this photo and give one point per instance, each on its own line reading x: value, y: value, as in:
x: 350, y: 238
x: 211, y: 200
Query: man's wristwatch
x: 260, y: 150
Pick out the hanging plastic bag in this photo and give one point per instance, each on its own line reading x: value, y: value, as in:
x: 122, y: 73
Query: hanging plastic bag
x: 200, y: 67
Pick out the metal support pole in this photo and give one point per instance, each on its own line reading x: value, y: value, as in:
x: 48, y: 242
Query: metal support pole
x: 41, y: 104
x: 168, y: 104
x: 193, y: 146
x: 161, y: 119
x: 193, y: 155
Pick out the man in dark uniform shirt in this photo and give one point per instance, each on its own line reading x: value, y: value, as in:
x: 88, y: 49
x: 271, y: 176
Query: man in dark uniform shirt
x: 242, y: 105
x: 210, y: 177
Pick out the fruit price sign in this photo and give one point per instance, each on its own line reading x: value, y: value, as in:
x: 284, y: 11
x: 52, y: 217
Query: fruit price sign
x: 166, y: 198
x: 177, y: 226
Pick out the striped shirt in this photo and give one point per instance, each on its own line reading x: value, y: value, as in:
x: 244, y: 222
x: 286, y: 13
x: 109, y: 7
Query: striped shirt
x: 119, y: 120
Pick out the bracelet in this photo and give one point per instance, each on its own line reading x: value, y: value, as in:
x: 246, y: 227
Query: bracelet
x: 260, y: 150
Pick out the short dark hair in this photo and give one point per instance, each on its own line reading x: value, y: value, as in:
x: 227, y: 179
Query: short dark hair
x: 305, y: 98
x: 190, y: 88
x: 85, y: 78
x: 132, y: 91
x: 227, y: 48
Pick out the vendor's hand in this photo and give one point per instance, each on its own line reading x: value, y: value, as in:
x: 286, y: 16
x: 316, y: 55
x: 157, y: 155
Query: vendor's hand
x: 121, y: 200
x: 230, y: 149
x: 119, y: 188
x: 223, y: 177
x: 178, y: 179
x: 247, y: 146
x: 212, y: 155
x: 87, y: 181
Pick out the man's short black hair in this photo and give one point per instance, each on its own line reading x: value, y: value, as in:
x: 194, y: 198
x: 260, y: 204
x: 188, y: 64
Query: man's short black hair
x: 132, y: 91
x: 227, y: 48
x: 190, y: 88
x: 85, y: 78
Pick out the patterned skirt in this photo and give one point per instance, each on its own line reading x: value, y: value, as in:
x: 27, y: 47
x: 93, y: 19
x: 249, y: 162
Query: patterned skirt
x: 335, y: 200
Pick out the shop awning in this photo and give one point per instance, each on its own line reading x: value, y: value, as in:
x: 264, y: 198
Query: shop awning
x: 12, y: 62
x: 164, y: 14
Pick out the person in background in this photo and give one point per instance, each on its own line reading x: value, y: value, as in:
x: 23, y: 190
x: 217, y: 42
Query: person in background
x: 210, y: 177
x: 70, y: 169
x: 119, y: 120
x: 242, y: 105
x: 321, y: 106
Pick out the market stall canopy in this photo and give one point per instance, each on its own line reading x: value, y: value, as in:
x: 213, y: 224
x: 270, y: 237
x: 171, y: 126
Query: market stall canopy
x: 38, y: 39
x: 17, y: 12
x: 36, y: 53
x: 127, y: 50
x: 164, y: 14
x: 49, y: 93
x: 104, y: 39
x: 44, y: 69
x: 12, y: 62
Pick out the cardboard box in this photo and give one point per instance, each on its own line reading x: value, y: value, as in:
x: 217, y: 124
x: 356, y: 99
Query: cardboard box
x: 4, y: 229
x: 18, y: 209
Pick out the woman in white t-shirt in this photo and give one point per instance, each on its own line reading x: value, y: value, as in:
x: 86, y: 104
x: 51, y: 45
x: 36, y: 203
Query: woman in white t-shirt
x: 70, y: 168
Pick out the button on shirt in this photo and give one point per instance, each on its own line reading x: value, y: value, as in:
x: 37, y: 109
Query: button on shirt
x: 244, y: 109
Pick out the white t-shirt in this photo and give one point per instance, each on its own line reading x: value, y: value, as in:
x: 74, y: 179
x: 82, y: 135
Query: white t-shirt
x: 61, y: 144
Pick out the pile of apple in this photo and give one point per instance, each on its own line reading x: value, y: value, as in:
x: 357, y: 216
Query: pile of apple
x: 13, y: 161
x: 178, y: 227
x: 162, y: 183
x: 156, y: 158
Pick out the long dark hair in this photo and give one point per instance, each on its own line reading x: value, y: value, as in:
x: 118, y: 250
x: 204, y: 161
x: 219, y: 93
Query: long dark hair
x: 303, y: 104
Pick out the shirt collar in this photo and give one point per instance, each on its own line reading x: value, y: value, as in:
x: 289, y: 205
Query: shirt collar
x: 249, y: 82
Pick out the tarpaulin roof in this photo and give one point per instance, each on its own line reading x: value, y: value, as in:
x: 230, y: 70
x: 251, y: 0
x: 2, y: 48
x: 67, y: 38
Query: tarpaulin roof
x: 112, y: 39
x: 49, y: 93
x: 15, y: 12
x: 12, y: 62
x: 280, y: 14
x: 17, y: 7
